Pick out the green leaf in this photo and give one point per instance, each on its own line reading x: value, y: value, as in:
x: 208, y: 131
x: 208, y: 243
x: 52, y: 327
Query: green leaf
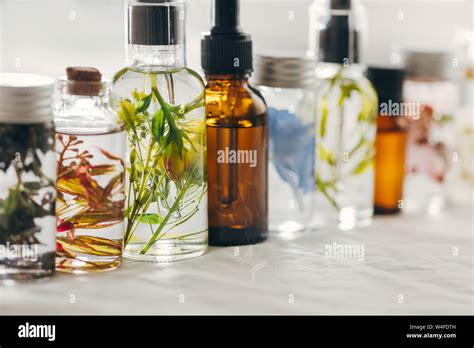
x: 324, y: 116
x: 323, y: 188
x: 445, y: 118
x: 144, y: 103
x: 32, y: 185
x: 361, y: 142
x: 133, y: 156
x: 367, y: 112
x: 158, y: 126
x: 152, y: 219
x: 166, y: 111
x: 186, y: 136
x: 326, y: 155
x: 179, y: 142
x: 197, y: 76
x: 365, y: 164
x: 126, y: 112
x: 119, y: 74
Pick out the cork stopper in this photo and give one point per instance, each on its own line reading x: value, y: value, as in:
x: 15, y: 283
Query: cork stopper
x: 84, y: 81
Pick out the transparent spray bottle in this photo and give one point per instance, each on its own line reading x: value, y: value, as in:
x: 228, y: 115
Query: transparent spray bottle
x: 161, y: 103
x: 236, y: 132
x: 346, y: 116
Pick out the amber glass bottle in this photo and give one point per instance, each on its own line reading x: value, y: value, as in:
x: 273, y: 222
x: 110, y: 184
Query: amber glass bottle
x: 236, y: 127
x: 390, y: 142
x: 237, y: 141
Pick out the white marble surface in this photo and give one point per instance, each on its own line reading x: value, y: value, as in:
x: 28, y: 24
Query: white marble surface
x: 429, y: 262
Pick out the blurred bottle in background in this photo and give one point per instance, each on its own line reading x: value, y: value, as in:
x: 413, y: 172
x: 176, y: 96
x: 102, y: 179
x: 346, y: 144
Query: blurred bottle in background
x: 346, y: 116
x: 286, y: 83
x: 430, y: 89
x: 463, y: 190
x: 390, y: 143
x: 27, y: 177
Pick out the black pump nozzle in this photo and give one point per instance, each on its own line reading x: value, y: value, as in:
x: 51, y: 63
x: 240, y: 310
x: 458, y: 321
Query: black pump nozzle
x: 226, y: 49
x: 339, y: 41
x: 150, y: 23
x: 226, y: 17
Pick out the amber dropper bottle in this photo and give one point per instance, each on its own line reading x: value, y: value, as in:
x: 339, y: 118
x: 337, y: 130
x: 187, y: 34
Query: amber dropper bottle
x: 237, y: 144
x: 390, y: 142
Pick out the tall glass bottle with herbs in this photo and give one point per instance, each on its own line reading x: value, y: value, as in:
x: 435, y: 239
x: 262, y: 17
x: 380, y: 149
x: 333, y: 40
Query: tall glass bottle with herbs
x: 27, y: 176
x: 161, y: 102
x: 90, y: 143
x: 346, y: 117
x: 237, y: 131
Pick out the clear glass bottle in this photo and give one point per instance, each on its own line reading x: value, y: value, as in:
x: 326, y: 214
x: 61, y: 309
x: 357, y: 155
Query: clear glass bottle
x: 286, y: 82
x: 346, y: 108
x: 431, y: 130
x: 90, y: 146
x: 161, y: 102
x: 27, y: 177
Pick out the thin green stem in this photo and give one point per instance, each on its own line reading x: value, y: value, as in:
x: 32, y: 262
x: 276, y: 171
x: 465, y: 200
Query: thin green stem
x: 163, y: 223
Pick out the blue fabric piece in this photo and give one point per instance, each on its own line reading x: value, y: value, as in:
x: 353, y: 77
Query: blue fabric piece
x: 292, y: 149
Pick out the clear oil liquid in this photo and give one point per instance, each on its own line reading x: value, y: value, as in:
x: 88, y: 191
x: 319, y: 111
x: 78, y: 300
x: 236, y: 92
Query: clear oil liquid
x: 345, y: 148
x: 167, y: 217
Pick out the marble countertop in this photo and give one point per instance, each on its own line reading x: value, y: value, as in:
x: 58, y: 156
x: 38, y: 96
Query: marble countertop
x: 410, y: 265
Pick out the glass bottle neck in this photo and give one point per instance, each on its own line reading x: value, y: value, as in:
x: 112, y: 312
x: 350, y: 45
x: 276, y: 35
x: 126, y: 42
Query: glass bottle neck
x: 231, y: 79
x: 84, y: 92
x: 145, y: 57
x: 98, y: 101
x: 328, y: 70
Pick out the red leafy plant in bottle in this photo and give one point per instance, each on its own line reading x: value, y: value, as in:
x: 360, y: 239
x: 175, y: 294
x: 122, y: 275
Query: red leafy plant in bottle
x: 90, y: 199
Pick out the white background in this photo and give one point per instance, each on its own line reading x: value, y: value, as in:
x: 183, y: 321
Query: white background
x: 46, y: 36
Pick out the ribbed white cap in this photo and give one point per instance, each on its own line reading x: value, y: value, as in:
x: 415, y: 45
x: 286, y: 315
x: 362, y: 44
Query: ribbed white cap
x: 25, y: 98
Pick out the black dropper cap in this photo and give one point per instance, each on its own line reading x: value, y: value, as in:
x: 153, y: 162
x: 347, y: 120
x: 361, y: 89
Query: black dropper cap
x: 226, y: 49
x: 388, y: 83
x: 156, y: 22
x: 339, y: 41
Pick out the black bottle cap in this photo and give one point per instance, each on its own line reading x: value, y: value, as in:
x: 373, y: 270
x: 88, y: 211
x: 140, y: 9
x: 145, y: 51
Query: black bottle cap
x: 226, y: 49
x: 339, y: 41
x: 387, y: 82
x: 156, y: 22
x: 341, y: 4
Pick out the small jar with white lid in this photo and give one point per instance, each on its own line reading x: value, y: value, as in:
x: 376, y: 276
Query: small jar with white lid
x: 27, y: 177
x: 285, y: 81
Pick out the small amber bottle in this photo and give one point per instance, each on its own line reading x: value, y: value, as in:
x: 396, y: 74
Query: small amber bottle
x: 237, y: 140
x: 390, y: 144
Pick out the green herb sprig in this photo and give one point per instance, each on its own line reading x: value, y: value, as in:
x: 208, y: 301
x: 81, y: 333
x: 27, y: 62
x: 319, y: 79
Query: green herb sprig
x: 166, y: 150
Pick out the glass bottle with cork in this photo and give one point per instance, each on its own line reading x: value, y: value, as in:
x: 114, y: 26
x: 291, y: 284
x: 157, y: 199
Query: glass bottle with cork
x: 390, y: 142
x: 90, y: 143
x: 236, y: 133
